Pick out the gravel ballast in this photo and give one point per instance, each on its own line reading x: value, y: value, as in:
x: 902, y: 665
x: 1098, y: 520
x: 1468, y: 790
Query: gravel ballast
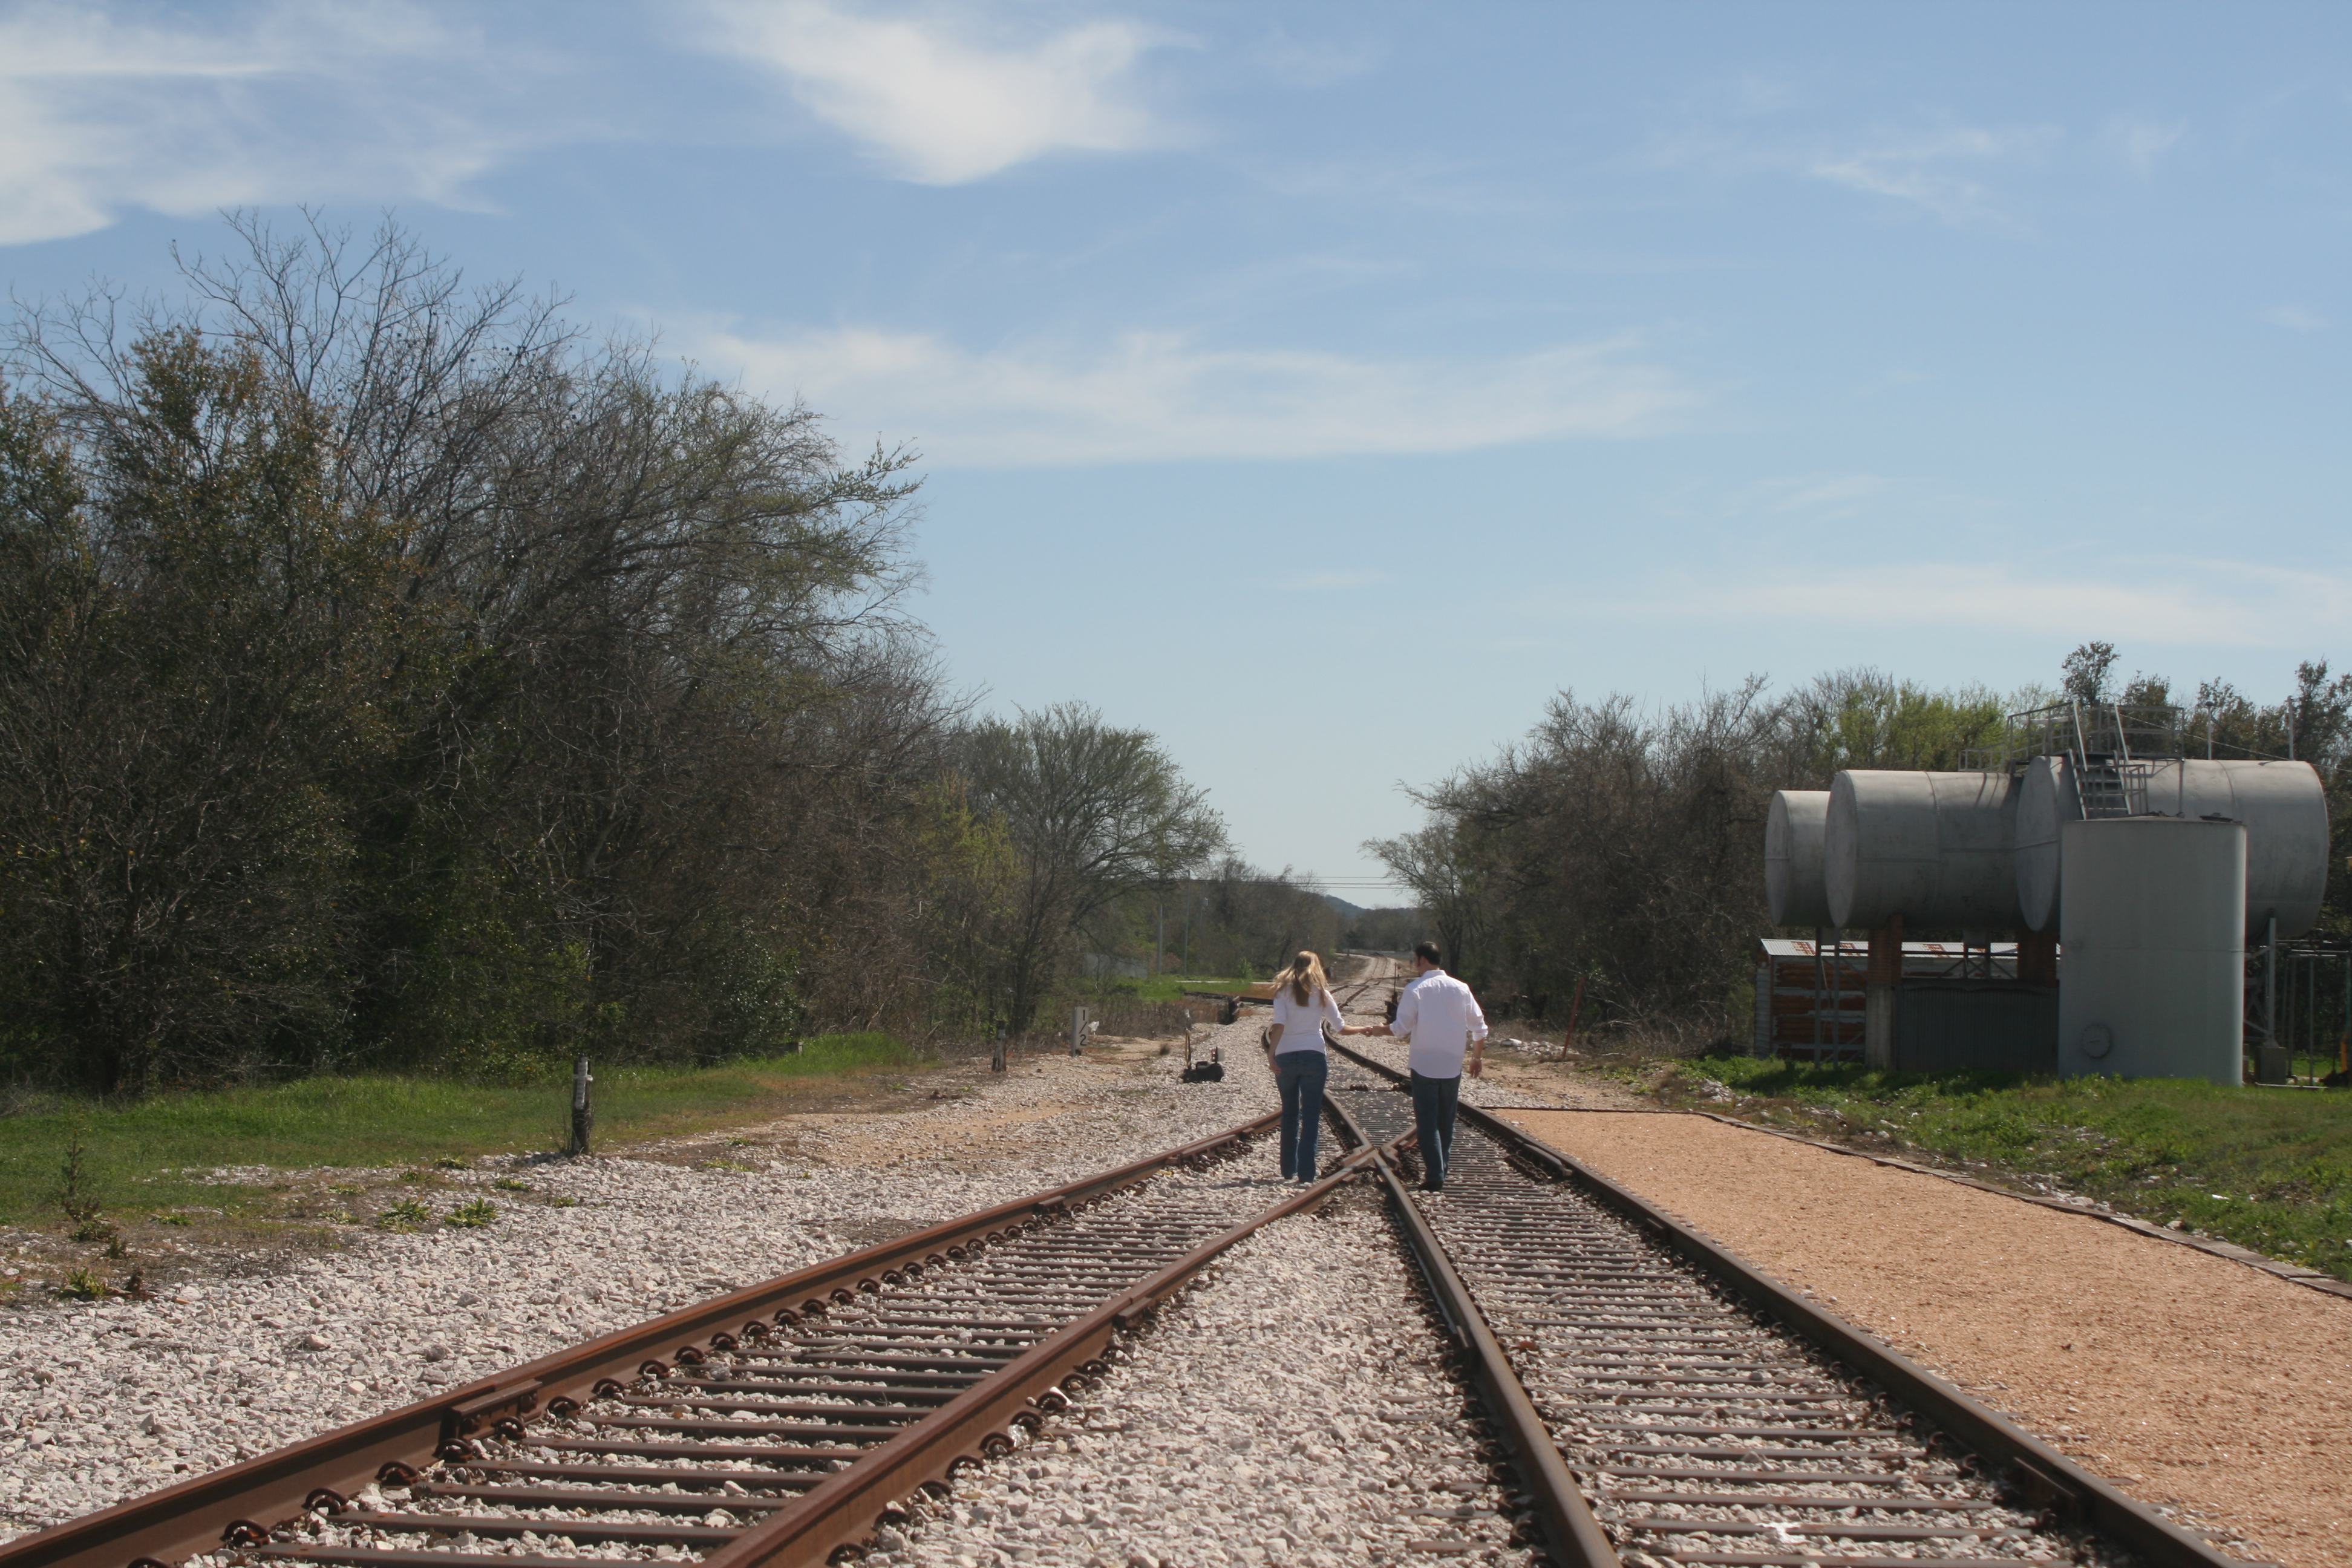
x: 1291, y: 1410
x: 2185, y: 1378
x: 104, y: 1401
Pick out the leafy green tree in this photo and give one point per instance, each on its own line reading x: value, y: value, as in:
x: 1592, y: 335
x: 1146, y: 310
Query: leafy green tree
x: 1094, y: 811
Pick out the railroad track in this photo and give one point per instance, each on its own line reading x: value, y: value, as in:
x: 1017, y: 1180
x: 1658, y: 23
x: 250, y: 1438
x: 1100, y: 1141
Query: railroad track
x: 778, y: 1425
x: 1674, y: 1406
x: 1660, y: 1403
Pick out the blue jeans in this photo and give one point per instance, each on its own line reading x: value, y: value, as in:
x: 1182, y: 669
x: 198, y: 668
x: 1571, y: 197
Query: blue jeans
x: 1299, y: 1074
x: 1433, y: 1120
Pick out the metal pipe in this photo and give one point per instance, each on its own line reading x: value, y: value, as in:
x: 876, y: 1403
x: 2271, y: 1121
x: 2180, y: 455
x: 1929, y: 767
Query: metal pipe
x: 2270, y: 985
x: 1837, y: 994
x: 1819, y: 932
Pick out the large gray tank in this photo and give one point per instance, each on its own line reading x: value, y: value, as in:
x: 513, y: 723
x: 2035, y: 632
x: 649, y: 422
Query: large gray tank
x: 2154, y: 934
x: 2282, y: 804
x: 1932, y: 848
x: 1793, y: 831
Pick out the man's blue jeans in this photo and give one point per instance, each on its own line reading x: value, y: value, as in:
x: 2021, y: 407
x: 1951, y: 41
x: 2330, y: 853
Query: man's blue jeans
x: 1299, y: 1074
x: 1433, y: 1120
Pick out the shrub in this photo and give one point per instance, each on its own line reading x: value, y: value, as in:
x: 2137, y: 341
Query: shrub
x: 407, y: 1215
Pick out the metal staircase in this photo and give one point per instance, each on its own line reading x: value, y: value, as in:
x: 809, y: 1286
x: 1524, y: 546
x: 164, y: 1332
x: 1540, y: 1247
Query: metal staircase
x: 2111, y: 750
x: 2111, y: 783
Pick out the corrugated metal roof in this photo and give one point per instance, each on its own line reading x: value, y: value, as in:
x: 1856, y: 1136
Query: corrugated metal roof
x: 1799, y: 947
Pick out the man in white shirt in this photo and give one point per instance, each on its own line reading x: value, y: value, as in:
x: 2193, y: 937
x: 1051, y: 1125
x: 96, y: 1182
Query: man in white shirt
x: 1440, y: 1017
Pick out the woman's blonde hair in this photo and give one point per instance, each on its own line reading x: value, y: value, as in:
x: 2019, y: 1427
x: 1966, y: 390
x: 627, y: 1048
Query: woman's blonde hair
x: 1304, y: 978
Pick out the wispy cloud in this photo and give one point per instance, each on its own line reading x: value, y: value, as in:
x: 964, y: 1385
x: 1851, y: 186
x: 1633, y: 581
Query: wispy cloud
x: 2224, y: 603
x: 101, y: 110
x: 1314, y: 62
x: 1939, y: 174
x: 2142, y: 143
x: 1336, y: 582
x: 1951, y: 171
x: 2296, y: 318
x: 1154, y: 396
x: 941, y: 104
x: 1839, y: 497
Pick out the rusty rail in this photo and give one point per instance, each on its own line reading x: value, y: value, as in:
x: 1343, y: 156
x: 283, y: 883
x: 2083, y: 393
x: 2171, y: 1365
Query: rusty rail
x: 249, y: 1503
x: 1508, y: 1254
x: 1575, y: 1537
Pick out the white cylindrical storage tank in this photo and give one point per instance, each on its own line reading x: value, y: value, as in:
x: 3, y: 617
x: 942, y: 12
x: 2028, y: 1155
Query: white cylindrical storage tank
x: 1932, y: 848
x: 2154, y: 933
x: 2045, y: 799
x: 2282, y: 804
x: 2284, y: 808
x: 1793, y: 831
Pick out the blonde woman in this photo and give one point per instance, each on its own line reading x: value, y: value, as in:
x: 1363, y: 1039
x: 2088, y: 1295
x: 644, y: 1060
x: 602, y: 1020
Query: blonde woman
x: 1302, y: 1005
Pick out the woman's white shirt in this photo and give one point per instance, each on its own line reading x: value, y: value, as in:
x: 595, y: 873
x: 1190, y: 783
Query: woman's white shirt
x: 1302, y: 1023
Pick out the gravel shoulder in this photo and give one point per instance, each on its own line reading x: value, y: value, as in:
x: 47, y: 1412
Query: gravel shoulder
x: 1292, y: 1408
x: 103, y: 1401
x: 2187, y: 1379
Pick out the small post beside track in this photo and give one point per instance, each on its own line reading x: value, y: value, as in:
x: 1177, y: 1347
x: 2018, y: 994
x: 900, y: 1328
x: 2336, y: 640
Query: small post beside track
x: 583, y: 1115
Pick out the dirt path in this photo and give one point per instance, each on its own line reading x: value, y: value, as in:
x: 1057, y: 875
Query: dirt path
x: 2185, y: 1378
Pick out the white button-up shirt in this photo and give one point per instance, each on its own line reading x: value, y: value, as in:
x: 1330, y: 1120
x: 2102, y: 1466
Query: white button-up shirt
x: 1440, y: 1016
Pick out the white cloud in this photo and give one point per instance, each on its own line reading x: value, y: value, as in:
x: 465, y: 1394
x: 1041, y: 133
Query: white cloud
x: 294, y: 101
x: 1155, y: 396
x: 2221, y: 603
x: 1933, y: 173
x: 2296, y: 318
x: 2141, y: 142
x: 1839, y: 497
x: 942, y: 107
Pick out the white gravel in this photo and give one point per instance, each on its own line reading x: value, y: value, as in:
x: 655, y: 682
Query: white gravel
x: 106, y: 1401
x: 1292, y: 1409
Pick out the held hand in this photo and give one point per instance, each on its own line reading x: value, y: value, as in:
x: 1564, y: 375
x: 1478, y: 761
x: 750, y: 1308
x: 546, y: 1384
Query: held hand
x: 1477, y: 1063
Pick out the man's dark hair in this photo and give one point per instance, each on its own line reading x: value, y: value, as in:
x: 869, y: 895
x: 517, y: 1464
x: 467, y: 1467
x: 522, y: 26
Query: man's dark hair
x: 1427, y: 953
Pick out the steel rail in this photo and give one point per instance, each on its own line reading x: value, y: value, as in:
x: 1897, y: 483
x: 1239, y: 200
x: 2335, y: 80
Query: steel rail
x: 1575, y: 1536
x: 843, y: 1508
x: 2040, y: 1473
x: 247, y: 1502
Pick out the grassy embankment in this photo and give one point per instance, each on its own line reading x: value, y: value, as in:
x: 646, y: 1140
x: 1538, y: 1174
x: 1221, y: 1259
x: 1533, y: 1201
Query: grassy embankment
x: 152, y: 1156
x: 2268, y: 1169
x: 1172, y: 987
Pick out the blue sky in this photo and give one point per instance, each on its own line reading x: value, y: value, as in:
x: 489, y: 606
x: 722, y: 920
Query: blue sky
x: 1405, y: 364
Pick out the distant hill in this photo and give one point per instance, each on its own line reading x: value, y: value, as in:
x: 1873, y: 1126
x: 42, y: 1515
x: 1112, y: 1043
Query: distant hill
x: 1347, y: 911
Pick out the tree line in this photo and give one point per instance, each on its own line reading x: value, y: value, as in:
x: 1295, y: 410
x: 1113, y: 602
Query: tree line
x: 1619, y: 849
x: 391, y: 675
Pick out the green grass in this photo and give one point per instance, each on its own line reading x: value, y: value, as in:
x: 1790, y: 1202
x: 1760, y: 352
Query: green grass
x: 139, y: 1151
x: 1167, y: 988
x: 2268, y: 1169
